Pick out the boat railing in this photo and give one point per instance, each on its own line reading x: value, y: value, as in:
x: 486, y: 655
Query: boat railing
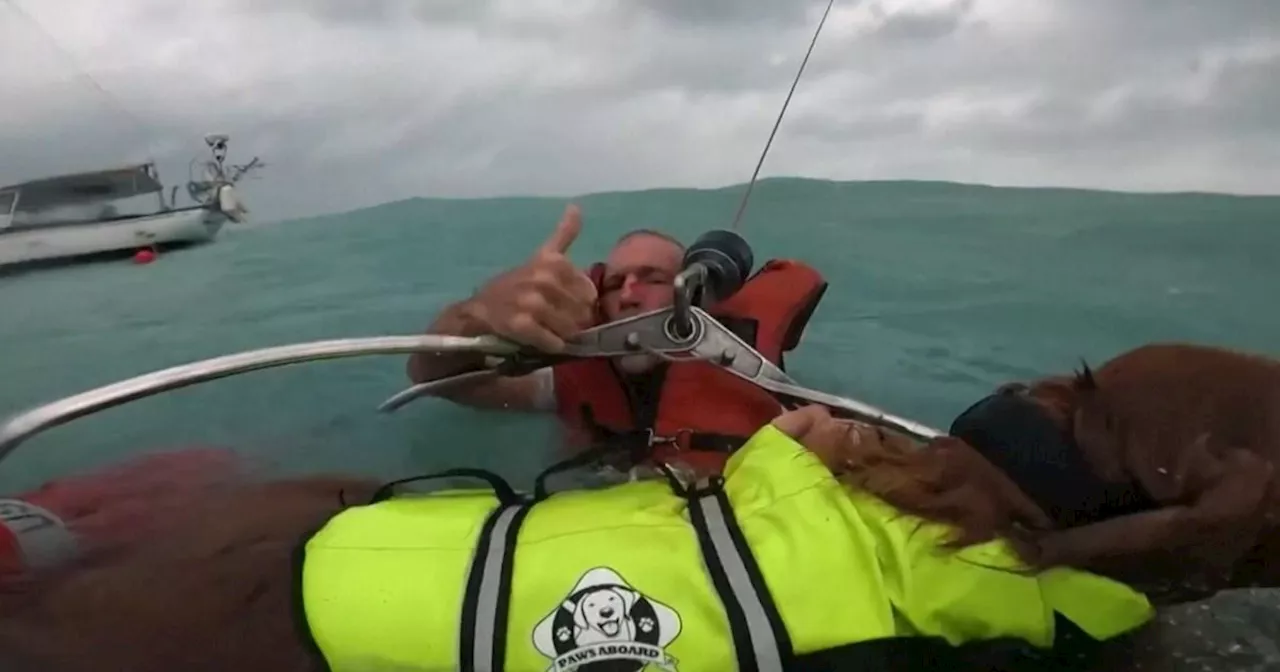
x: 217, y: 172
x: 84, y: 189
x: 8, y: 203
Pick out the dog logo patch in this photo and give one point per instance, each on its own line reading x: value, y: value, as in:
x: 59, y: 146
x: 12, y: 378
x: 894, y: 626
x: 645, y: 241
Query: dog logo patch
x: 606, y: 625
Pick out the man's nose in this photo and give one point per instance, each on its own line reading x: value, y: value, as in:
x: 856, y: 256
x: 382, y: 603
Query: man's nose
x: 628, y: 294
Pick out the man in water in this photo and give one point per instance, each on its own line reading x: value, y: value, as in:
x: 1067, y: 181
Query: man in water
x: 638, y: 402
x: 546, y: 301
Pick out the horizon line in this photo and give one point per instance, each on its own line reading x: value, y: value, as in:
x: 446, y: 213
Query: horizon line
x: 575, y: 197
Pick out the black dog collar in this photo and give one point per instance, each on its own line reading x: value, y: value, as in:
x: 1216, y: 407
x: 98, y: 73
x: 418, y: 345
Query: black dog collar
x: 1016, y: 435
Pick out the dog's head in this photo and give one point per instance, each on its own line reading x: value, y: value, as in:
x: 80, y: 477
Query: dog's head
x: 1141, y: 414
x: 1098, y: 428
x: 1178, y: 390
x: 1157, y: 426
x: 1031, y: 435
x: 604, y: 610
x: 1083, y: 416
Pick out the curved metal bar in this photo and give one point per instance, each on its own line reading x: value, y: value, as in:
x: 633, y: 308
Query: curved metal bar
x: 25, y: 425
x: 857, y: 410
x: 409, y: 394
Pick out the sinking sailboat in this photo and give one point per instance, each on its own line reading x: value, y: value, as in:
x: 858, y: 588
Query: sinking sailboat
x: 76, y: 215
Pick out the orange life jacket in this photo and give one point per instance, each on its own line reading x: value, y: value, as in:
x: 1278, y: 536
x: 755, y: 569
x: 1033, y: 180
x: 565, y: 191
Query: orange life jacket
x: 694, y: 412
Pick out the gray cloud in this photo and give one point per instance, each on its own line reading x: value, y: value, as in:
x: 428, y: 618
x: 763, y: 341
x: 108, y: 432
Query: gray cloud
x: 355, y: 103
x: 930, y: 24
x: 715, y: 14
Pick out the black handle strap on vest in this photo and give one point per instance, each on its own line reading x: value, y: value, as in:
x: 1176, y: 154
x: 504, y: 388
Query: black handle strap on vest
x: 636, y: 446
x: 595, y: 453
x: 760, y: 639
x: 482, y: 637
x: 762, y: 644
x: 505, y: 493
x: 486, y: 602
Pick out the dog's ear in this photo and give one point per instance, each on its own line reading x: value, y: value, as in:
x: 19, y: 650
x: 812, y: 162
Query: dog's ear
x: 1085, y: 382
x: 580, y: 615
x: 629, y: 599
x: 1057, y: 395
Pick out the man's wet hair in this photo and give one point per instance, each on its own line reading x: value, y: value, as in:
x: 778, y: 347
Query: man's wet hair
x: 649, y: 232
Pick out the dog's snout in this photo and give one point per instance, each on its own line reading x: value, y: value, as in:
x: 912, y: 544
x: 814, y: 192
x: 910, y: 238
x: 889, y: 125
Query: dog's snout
x: 607, y: 612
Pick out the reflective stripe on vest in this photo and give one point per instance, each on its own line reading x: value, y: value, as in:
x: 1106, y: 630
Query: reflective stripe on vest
x: 483, y: 643
x: 773, y: 564
x: 760, y: 639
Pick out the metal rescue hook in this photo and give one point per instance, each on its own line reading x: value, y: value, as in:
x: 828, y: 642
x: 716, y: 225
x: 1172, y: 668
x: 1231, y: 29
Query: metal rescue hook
x: 25, y: 425
x: 651, y: 332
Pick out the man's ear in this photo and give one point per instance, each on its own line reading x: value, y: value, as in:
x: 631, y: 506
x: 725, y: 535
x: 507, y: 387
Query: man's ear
x: 596, y: 274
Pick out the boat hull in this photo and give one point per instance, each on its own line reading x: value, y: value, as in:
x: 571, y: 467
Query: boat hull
x: 184, y: 226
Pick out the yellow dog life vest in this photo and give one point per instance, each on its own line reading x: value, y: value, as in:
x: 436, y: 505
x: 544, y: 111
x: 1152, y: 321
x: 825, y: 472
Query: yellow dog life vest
x: 749, y: 572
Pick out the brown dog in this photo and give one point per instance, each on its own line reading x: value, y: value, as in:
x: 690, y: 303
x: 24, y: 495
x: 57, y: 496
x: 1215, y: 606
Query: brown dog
x: 1197, y: 428
x: 1192, y: 431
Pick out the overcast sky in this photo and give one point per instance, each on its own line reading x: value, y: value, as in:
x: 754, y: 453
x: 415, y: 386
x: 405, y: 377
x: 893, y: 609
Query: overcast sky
x: 355, y: 102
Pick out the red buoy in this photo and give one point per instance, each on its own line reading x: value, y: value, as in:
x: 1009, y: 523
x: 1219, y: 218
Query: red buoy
x: 144, y: 256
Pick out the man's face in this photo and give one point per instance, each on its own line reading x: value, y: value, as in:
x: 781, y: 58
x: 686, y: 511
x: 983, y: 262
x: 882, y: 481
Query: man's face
x: 638, y: 276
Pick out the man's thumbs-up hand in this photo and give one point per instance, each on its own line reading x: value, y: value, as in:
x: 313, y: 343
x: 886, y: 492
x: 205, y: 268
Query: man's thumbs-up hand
x: 545, y: 301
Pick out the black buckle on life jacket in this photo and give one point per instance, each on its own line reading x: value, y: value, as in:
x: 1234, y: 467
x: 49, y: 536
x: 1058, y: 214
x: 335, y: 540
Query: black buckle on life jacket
x: 692, y: 488
x: 682, y: 440
x: 636, y: 447
x: 637, y: 444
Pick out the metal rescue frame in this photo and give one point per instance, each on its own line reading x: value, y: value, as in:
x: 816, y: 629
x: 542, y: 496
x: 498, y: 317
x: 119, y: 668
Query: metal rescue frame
x: 703, y: 339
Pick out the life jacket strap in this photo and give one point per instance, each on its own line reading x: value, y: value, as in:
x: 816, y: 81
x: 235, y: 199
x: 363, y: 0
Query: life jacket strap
x: 486, y: 601
x: 482, y: 637
x: 636, y: 446
x: 760, y: 639
x: 596, y: 453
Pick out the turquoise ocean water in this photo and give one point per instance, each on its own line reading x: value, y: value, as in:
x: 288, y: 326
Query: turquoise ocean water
x: 938, y: 293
